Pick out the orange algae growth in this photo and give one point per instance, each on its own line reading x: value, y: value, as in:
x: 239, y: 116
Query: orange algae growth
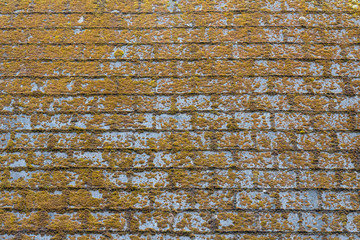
x: 162, y: 119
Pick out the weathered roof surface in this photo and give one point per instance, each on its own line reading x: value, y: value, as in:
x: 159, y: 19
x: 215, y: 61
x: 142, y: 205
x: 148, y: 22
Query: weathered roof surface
x: 188, y: 119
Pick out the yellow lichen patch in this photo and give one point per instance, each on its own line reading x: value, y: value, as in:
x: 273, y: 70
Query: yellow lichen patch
x: 118, y: 53
x: 355, y: 5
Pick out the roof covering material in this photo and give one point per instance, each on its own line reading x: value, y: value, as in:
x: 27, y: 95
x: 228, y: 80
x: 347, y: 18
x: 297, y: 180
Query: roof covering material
x: 187, y: 119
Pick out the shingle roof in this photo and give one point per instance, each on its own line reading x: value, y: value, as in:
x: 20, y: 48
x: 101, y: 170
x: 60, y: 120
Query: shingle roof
x: 188, y: 119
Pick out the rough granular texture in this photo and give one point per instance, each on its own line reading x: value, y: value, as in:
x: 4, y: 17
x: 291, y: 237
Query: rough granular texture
x: 179, y: 119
